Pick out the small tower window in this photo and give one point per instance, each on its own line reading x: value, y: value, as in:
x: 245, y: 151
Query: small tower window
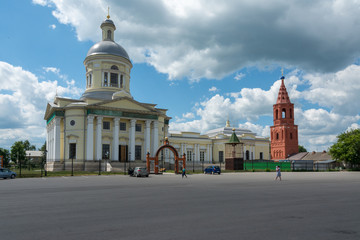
x: 90, y: 78
x: 283, y: 113
x: 114, y: 80
x: 277, y: 114
x: 114, y: 67
x: 121, y: 81
x: 109, y: 34
x: 105, y: 79
x: 277, y: 136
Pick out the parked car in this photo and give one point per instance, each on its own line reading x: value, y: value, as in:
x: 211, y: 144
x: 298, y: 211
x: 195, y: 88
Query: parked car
x: 140, y: 172
x: 212, y: 170
x: 6, y: 173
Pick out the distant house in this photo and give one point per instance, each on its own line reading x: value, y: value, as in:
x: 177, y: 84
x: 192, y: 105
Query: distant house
x: 34, y: 156
x: 321, y: 161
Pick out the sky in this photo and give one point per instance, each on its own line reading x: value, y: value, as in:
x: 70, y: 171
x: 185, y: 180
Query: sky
x: 205, y: 61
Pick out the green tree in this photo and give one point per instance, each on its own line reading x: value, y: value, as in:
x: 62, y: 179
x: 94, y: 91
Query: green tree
x: 302, y: 149
x: 347, y: 147
x: 6, y: 156
x: 18, y: 151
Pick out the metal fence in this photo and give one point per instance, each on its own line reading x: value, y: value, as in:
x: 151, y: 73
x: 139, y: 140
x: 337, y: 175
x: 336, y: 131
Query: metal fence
x: 266, y: 165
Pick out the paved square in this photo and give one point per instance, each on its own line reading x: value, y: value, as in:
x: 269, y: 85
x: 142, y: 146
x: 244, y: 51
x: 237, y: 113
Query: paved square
x: 228, y: 206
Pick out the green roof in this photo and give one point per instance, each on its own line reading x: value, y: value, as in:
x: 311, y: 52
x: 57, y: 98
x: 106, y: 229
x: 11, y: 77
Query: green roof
x: 234, y: 138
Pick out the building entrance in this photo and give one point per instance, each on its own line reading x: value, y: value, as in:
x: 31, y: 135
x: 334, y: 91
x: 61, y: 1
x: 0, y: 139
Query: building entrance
x: 123, y: 153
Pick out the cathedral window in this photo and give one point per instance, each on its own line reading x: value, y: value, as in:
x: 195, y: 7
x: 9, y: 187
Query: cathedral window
x: 114, y: 67
x: 277, y: 114
x: 90, y: 80
x: 137, y: 152
x: 105, y: 79
x: 138, y: 127
x: 72, y: 150
x: 109, y: 34
x: 283, y: 113
x: 122, y: 126
x: 277, y: 136
x: 121, y: 81
x: 221, y: 156
x: 106, y: 125
x: 291, y: 136
x: 114, y: 80
x: 105, y: 151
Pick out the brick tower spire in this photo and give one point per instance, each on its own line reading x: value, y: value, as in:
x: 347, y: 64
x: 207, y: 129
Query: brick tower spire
x: 284, y: 134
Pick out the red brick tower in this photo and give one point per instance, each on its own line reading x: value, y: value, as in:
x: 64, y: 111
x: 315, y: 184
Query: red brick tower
x: 284, y: 133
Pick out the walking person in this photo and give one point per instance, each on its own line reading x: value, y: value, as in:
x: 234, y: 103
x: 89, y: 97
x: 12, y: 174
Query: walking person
x: 183, y: 173
x: 278, y: 173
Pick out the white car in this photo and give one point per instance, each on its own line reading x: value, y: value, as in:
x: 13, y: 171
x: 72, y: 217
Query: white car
x: 140, y: 172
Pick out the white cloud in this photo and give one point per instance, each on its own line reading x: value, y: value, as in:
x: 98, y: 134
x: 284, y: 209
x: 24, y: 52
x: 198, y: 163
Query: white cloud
x: 188, y: 115
x: 239, y: 76
x: 23, y: 101
x: 52, y: 69
x: 212, y: 39
x: 213, y: 89
x: 52, y: 26
x: 339, y: 90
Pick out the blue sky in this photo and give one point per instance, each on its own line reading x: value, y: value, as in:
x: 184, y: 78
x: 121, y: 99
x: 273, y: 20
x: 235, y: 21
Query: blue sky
x: 204, y: 61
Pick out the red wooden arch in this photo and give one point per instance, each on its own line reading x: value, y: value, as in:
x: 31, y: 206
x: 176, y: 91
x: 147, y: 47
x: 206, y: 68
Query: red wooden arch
x: 156, y: 158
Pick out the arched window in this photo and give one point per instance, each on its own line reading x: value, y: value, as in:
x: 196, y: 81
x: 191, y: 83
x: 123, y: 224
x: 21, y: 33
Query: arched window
x: 277, y: 136
x: 277, y: 114
x: 109, y: 34
x: 114, y: 67
x: 283, y: 113
x: 121, y: 81
x: 290, y: 135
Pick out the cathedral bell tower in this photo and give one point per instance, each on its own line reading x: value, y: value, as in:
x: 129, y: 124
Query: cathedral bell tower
x: 284, y: 133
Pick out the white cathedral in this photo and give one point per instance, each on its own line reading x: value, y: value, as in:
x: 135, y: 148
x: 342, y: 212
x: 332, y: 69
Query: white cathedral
x: 107, y: 123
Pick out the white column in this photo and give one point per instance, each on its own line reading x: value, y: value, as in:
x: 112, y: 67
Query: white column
x: 47, y: 143
x: 98, y: 146
x: 90, y: 138
x: 115, y: 151
x: 147, y: 137
x: 57, y: 139
x: 198, y: 152
x: 253, y: 152
x: 211, y: 153
x: 132, y: 139
x: 155, y: 137
x: 245, y: 152
x: 51, y: 141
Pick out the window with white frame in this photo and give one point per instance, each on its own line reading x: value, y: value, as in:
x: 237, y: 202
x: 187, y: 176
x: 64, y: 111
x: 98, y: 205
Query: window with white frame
x: 189, y: 156
x: 202, y: 156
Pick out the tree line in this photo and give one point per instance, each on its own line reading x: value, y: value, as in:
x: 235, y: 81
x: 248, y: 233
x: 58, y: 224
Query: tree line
x: 17, y: 153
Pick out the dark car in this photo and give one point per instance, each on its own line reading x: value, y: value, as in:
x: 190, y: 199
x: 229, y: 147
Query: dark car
x: 212, y: 170
x: 6, y: 173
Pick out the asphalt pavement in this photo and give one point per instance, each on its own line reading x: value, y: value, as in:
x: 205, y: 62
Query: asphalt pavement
x: 228, y: 206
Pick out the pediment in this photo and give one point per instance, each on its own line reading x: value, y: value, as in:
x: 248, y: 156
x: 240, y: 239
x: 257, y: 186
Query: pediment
x: 124, y: 104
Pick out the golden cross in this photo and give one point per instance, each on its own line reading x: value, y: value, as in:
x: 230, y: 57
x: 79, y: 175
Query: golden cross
x: 108, y: 16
